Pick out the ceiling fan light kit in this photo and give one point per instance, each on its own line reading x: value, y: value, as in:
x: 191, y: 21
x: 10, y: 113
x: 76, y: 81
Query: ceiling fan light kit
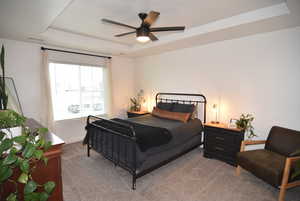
x: 144, y: 32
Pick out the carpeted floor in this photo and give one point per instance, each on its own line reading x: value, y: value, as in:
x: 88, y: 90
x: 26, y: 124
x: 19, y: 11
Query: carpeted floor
x: 189, y: 178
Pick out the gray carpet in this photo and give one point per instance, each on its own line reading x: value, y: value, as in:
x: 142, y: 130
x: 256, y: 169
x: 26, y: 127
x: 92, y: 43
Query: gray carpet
x: 189, y: 178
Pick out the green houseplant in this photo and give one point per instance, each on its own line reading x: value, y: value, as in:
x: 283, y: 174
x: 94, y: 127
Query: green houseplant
x: 19, y: 156
x: 3, y: 95
x: 245, y: 123
x: 135, y: 105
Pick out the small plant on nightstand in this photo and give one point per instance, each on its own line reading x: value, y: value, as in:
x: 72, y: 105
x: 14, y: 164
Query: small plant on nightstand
x: 245, y: 123
x: 135, y: 105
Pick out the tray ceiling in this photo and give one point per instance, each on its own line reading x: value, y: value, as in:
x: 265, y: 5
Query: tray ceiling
x: 77, y: 23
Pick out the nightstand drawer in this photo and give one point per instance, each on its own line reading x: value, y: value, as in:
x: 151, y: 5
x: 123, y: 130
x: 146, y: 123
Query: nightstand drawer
x: 223, y: 148
x: 220, y: 138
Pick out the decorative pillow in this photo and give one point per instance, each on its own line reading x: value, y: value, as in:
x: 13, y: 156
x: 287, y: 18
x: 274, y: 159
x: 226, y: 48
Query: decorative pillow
x: 165, y: 106
x: 185, y: 108
x: 179, y: 116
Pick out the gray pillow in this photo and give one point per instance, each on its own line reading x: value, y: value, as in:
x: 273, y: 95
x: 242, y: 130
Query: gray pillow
x: 185, y: 108
x: 165, y: 106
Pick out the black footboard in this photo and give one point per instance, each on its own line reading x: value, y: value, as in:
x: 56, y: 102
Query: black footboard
x: 120, y: 148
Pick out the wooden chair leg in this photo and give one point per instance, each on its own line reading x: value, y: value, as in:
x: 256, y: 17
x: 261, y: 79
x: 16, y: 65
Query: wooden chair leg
x: 238, y: 170
x: 282, y: 193
x: 285, y: 179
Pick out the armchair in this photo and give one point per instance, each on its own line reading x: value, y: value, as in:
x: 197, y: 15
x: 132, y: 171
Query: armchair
x: 275, y: 163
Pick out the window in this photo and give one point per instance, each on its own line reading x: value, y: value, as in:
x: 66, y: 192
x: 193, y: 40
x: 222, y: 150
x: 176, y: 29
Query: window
x: 77, y: 90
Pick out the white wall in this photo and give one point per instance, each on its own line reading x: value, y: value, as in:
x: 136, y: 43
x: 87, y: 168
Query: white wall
x: 23, y: 63
x: 123, y: 84
x: 258, y: 74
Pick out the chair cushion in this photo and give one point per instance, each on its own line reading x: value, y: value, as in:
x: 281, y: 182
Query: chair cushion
x: 283, y: 141
x: 264, y: 164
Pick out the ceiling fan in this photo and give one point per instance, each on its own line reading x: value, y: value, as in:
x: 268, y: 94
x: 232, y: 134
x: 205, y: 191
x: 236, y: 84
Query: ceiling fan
x: 144, y: 32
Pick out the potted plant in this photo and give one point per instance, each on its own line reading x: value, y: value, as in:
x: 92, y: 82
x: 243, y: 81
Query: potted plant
x: 18, y: 158
x: 135, y: 105
x: 11, y: 123
x: 245, y: 123
x: 3, y: 95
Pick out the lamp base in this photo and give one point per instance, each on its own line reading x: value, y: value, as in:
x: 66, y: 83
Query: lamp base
x: 215, y: 122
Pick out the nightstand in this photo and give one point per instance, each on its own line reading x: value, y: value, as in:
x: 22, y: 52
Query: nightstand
x: 222, y: 142
x: 131, y: 114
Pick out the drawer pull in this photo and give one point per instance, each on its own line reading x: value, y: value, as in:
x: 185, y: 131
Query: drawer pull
x: 220, y: 138
x: 219, y: 148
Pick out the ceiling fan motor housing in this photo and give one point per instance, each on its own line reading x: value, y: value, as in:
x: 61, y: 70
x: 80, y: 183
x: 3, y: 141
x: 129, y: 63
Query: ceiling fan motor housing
x: 142, y: 31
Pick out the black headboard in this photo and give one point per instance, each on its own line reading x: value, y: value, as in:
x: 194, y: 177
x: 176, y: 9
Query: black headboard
x: 198, y: 100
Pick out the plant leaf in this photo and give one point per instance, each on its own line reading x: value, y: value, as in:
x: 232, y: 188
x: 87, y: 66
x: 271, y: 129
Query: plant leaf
x: 30, y: 187
x: 13, y: 150
x: 23, y: 178
x: 12, y: 197
x: 2, y: 135
x: 5, y: 145
x: 24, y: 166
x: 49, y: 187
x: 47, y: 145
x: 5, y: 173
x: 9, y: 159
x: 45, y: 160
x: 43, y: 130
x: 2, y: 58
x: 44, y: 196
x: 32, y: 196
x: 38, y: 154
x: 28, y: 151
x: 20, y: 139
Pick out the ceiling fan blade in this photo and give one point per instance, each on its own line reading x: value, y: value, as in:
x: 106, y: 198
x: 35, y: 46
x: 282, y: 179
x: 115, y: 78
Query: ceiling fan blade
x: 151, y: 17
x: 152, y: 37
x: 118, y: 23
x: 124, y: 34
x: 157, y: 29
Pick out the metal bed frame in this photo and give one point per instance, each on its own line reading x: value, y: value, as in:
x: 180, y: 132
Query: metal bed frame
x: 118, y: 155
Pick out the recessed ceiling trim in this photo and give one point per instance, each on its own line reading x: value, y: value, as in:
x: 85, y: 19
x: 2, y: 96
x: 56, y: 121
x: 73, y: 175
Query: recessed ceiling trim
x: 58, y: 14
x: 88, y: 35
x: 249, y: 17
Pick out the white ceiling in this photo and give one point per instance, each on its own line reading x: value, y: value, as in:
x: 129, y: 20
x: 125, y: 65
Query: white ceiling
x: 77, y: 23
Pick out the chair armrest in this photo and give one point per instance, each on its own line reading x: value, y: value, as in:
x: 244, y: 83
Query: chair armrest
x: 251, y: 142
x: 296, y: 153
x: 294, y: 158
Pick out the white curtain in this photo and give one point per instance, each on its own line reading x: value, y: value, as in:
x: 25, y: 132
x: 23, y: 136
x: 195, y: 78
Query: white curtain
x: 60, y: 57
x: 108, y: 88
x: 47, y: 113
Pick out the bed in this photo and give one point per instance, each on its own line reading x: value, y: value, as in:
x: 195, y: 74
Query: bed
x: 143, y: 144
